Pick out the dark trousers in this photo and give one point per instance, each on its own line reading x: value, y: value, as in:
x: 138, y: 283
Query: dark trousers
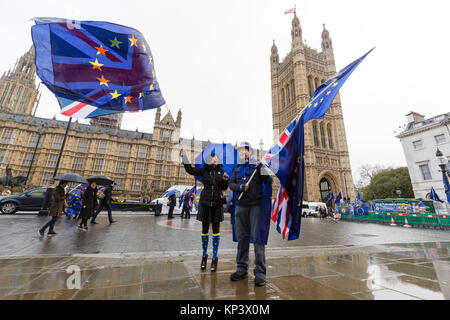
x: 186, y: 212
x: 100, y: 208
x: 50, y: 224
x: 170, y: 215
x: 246, y: 224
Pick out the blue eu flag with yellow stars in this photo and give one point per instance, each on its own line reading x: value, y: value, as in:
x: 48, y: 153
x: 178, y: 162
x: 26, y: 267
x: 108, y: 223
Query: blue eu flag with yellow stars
x: 323, y: 96
x: 95, y: 68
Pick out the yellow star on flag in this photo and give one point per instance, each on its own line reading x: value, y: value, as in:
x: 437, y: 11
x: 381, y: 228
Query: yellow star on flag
x: 315, y: 104
x: 141, y: 95
x: 103, y: 81
x: 115, y: 43
x: 133, y: 41
x: 96, y: 65
x: 115, y: 95
x: 150, y: 59
x: 321, y: 100
x: 144, y: 47
x: 328, y: 92
x: 153, y: 73
x: 128, y: 99
x: 335, y: 84
x: 152, y: 87
x: 101, y: 50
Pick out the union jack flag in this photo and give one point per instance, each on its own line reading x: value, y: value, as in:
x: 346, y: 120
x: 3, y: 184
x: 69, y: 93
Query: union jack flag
x: 285, y: 159
x: 95, y: 68
x: 292, y: 10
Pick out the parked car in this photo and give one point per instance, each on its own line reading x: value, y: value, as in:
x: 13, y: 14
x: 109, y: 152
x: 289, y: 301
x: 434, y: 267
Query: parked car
x: 30, y: 200
x: 306, y: 211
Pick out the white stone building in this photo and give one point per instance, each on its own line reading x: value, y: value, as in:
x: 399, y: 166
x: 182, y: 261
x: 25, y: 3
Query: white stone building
x: 420, y: 141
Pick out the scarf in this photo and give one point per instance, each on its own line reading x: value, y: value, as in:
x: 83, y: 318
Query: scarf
x: 244, y: 169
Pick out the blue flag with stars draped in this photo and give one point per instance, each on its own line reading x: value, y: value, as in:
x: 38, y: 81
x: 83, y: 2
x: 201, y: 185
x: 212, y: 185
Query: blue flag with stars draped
x: 434, y: 196
x: 323, y: 96
x: 95, y: 68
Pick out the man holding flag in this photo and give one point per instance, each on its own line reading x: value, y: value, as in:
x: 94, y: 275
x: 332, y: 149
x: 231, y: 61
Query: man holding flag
x: 252, y: 186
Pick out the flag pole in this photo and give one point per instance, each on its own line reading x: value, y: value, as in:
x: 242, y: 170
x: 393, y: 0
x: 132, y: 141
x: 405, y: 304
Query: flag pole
x: 62, y: 147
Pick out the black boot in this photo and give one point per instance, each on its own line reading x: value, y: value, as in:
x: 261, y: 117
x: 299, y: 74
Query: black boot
x: 204, y: 261
x: 214, y: 264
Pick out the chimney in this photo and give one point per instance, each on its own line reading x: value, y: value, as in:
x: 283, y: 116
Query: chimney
x: 414, y: 117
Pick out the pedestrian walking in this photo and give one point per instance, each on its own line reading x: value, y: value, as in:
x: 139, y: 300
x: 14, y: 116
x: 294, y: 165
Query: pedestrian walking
x: 322, y: 212
x: 210, y: 211
x: 89, y: 202
x: 59, y: 196
x: 105, y: 202
x: 172, y: 202
x: 248, y: 214
x: 186, y: 210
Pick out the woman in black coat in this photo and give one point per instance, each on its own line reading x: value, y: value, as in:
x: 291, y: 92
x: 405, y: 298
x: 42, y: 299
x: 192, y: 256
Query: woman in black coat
x: 89, y: 202
x: 210, y: 210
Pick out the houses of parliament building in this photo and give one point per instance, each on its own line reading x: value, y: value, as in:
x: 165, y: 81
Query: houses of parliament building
x: 293, y: 81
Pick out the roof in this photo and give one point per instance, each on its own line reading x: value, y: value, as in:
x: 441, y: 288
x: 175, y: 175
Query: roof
x: 412, y: 126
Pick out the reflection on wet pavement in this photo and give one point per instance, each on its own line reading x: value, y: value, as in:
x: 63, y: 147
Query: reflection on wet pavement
x: 413, y: 271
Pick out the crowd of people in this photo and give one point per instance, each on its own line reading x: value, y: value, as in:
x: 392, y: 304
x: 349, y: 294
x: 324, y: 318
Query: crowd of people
x: 85, y: 203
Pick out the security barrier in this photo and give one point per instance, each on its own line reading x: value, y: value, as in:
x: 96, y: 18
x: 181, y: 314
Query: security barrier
x: 415, y: 218
x: 444, y: 220
x: 431, y: 219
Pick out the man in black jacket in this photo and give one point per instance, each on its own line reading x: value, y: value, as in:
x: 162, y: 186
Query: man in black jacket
x: 105, y: 201
x: 172, y: 201
x: 247, y: 213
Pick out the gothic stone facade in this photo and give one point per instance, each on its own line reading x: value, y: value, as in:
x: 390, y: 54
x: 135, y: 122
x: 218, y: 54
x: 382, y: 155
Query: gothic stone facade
x: 18, y: 92
x: 141, y: 163
x: 294, y: 80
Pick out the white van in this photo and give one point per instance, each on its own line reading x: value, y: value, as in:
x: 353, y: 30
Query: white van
x: 163, y: 200
x: 314, y: 208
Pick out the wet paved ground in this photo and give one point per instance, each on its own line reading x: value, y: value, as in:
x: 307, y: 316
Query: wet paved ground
x: 147, y: 257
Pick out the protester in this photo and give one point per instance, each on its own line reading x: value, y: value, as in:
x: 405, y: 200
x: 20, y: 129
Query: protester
x: 186, y: 210
x: 210, y: 211
x: 248, y: 214
x: 56, y: 208
x: 322, y: 212
x: 157, y: 208
x: 105, y: 201
x: 172, y: 202
x: 89, y: 203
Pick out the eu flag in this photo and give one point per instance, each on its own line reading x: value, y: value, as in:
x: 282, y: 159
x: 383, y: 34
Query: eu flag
x: 227, y: 154
x: 338, y: 198
x: 434, y: 196
x: 95, y: 68
x: 323, y: 96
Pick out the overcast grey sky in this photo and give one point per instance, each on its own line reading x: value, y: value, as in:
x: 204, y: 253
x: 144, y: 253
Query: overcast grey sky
x: 212, y: 61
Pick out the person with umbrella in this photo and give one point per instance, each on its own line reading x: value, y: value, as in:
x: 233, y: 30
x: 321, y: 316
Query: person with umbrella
x: 56, y: 208
x: 89, y: 202
x: 105, y: 201
x: 215, y: 181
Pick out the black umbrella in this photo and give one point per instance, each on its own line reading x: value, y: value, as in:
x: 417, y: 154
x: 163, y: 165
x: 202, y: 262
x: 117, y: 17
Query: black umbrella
x: 100, y: 179
x: 71, y: 177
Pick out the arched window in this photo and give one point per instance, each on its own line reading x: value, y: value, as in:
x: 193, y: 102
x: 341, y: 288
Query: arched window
x: 310, y: 86
x: 322, y: 136
x: 283, y: 99
x: 317, y: 83
x: 325, y: 189
x: 315, y: 136
x: 293, y: 89
x: 330, y: 139
x: 288, y: 93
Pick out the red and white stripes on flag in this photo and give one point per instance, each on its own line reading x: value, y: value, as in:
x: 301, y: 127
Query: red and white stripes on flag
x: 292, y: 10
x: 281, y: 212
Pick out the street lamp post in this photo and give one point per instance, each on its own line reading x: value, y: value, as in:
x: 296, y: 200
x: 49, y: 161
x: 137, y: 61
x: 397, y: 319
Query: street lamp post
x: 443, y: 165
x: 41, y: 131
